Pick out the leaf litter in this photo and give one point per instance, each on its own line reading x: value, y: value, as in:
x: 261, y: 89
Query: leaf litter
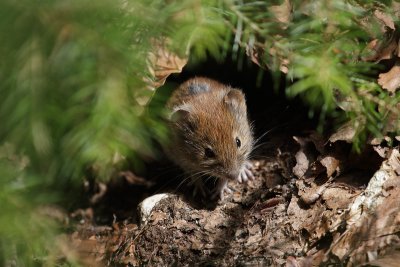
x: 341, y: 209
x: 314, y: 202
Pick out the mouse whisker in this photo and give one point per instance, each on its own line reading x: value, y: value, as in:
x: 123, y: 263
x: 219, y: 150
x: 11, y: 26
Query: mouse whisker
x: 259, y: 145
x: 193, y: 176
x: 210, y: 177
x: 269, y: 131
x: 257, y: 157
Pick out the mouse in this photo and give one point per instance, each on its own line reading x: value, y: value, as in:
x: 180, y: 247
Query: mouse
x: 210, y: 133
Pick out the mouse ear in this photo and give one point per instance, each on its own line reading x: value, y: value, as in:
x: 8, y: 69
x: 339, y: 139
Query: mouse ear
x: 180, y: 115
x: 235, y: 100
x: 182, y: 118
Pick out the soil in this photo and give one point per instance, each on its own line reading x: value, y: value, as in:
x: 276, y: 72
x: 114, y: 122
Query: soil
x: 277, y: 219
x: 314, y: 202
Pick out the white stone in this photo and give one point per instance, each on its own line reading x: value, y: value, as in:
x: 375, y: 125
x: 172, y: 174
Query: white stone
x: 146, y: 206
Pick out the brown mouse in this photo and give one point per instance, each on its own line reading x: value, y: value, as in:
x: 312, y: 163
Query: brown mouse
x: 211, y: 134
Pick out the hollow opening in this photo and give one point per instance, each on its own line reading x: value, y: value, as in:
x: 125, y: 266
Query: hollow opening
x: 271, y: 112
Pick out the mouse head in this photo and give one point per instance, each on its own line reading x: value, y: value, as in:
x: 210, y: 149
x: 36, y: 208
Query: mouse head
x: 213, y: 134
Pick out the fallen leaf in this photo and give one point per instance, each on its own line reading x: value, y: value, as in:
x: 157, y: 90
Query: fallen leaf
x: 346, y: 103
x: 301, y: 217
x: 382, y: 151
x: 396, y: 8
x: 214, y: 221
x: 385, y: 18
x: 183, y: 225
x: 345, y: 133
x: 394, y: 161
x: 311, y: 194
x: 133, y: 179
x: 302, y: 164
x: 282, y: 12
x: 372, y: 215
x: 160, y: 63
x: 254, y: 235
x: 391, y: 260
x: 292, y: 262
x: 338, y: 197
x: 380, y: 50
x: 270, y: 204
x: 309, y: 146
x: 102, y: 190
x: 163, y: 63
x: 391, y: 79
x: 392, y: 120
x: 255, y: 230
x: 195, y: 243
x: 257, y: 56
x: 157, y: 216
x: 331, y: 164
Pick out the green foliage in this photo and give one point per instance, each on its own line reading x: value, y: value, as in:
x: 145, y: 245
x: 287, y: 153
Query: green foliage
x: 73, y: 76
x: 72, y: 84
x: 321, y: 44
x: 25, y: 232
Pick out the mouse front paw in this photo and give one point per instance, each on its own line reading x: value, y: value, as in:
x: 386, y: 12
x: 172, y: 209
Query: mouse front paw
x: 221, y: 189
x: 246, y: 173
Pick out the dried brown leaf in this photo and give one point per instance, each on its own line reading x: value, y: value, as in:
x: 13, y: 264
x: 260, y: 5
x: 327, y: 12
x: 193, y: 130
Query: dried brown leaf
x: 302, y: 217
x: 318, y: 141
x: 394, y: 161
x: 270, y: 204
x: 133, y: 179
x: 163, y: 62
x: 310, y: 195
x: 214, y: 221
x: 257, y: 55
x: 346, y: 103
x: 391, y: 79
x: 373, y: 218
x: 391, y: 260
x: 331, y: 164
x: 338, y: 197
x: 157, y: 216
x: 283, y: 60
x: 385, y: 18
x: 382, y: 151
x: 302, y: 164
x: 310, y: 146
x: 282, y: 12
x: 102, y: 190
x: 345, y: 133
x: 393, y: 119
x: 183, y: 225
x: 379, y: 50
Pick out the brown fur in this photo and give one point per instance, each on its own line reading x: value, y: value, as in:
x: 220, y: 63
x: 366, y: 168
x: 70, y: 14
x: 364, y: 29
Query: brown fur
x: 211, y: 119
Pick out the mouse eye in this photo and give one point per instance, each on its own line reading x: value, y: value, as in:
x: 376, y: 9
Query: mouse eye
x: 209, y: 152
x: 238, y: 143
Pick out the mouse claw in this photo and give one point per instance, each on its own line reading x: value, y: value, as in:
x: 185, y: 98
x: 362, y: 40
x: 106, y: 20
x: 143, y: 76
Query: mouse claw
x: 222, y: 189
x: 245, y: 173
x: 249, y: 174
x: 242, y: 177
